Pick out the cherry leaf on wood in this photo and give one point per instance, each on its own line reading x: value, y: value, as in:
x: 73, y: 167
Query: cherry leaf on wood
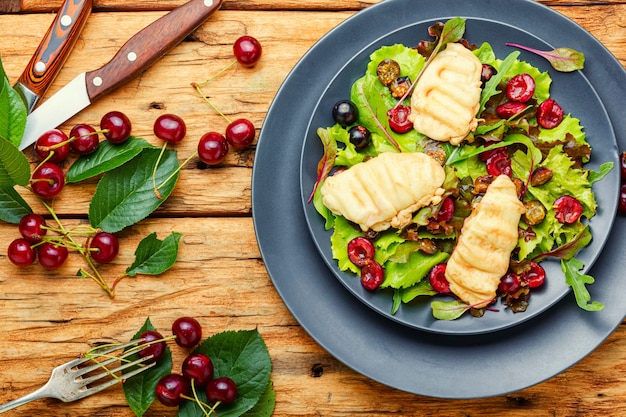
x: 12, y: 206
x: 108, y: 156
x: 140, y: 389
x: 243, y: 357
x: 14, y: 166
x: 154, y: 256
x: 126, y: 195
x: 12, y: 111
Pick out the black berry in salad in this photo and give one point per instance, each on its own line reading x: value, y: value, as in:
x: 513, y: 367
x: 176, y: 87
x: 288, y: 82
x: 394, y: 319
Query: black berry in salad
x: 345, y: 113
x: 360, y: 137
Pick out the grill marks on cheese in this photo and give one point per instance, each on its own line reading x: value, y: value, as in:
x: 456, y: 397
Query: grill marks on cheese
x: 483, y: 251
x: 447, y: 96
x: 386, y: 190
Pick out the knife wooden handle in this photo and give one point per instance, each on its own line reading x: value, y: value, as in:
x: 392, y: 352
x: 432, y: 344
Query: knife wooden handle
x: 148, y: 45
x: 55, y: 46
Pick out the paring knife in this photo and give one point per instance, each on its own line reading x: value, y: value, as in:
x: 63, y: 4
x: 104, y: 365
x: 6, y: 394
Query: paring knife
x: 53, y: 50
x: 137, y: 54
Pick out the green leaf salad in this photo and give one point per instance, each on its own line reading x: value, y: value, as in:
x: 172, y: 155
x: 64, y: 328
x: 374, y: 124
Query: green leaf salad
x: 546, y: 163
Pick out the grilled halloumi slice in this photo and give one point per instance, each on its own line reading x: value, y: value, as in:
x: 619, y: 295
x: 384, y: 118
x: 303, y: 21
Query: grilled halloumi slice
x: 483, y: 251
x: 447, y: 96
x: 386, y: 190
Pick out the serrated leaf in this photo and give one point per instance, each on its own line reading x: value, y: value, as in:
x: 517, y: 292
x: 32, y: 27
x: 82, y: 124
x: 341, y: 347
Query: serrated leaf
x: 12, y: 206
x: 107, y: 157
x: 266, y: 404
x: 14, y: 166
x: 154, y: 256
x: 140, y: 389
x: 12, y: 111
x: 126, y: 195
x: 243, y: 357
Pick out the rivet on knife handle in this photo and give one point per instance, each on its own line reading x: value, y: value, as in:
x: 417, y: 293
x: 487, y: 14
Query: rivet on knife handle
x: 147, y: 46
x: 53, y: 50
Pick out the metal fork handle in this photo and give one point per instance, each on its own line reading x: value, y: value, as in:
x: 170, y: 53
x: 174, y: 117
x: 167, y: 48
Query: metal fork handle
x: 43, y: 392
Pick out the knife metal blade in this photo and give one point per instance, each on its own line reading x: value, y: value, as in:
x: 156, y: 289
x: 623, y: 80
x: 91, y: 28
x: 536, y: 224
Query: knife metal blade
x: 134, y: 57
x: 52, y: 51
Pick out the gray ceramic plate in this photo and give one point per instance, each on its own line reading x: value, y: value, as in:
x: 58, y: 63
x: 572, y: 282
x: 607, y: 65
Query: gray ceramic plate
x: 367, y: 339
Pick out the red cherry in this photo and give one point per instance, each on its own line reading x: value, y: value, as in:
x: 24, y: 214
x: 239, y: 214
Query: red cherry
x: 222, y: 390
x: 240, y: 133
x: 549, y: 114
x: 438, y: 280
x: 499, y: 164
x: 520, y: 88
x: 154, y: 348
x: 247, y: 50
x: 399, y: 119
x: 510, y: 109
x: 20, y: 253
x: 360, y: 251
x: 188, y: 331
x: 446, y: 211
x: 52, y: 256
x: 50, y: 139
x: 106, y: 247
x: 212, y: 148
x: 372, y: 275
x: 47, y: 181
x: 509, y: 284
x: 170, y: 128
x: 32, y: 227
x: 117, y: 127
x: 171, y: 389
x: 87, y: 140
x: 199, y: 368
x: 568, y: 209
x: 535, y: 276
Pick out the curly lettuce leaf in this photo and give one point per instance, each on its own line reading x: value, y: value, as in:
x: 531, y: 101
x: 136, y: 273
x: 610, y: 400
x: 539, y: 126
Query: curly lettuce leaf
x: 578, y: 281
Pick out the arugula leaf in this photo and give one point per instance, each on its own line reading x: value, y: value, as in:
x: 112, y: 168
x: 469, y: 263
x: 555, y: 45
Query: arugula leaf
x: 571, y: 268
x: 12, y: 206
x: 126, y: 195
x: 448, y: 310
x: 140, y: 389
x: 108, y: 156
x: 491, y: 87
x: 14, y: 166
x: 594, y: 176
x: 154, y: 256
x: 243, y: 357
x: 12, y: 111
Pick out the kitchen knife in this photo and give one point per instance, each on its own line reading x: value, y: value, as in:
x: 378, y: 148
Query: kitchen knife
x: 135, y: 56
x: 53, y: 50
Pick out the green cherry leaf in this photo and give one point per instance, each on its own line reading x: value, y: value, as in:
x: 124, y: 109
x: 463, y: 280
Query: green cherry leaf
x: 14, y: 166
x: 154, y: 256
x: 140, y: 389
x: 266, y: 404
x: 12, y: 111
x: 126, y: 195
x: 12, y: 206
x: 108, y: 156
x: 243, y: 357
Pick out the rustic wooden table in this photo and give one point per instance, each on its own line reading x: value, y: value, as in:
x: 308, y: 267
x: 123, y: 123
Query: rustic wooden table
x: 48, y: 318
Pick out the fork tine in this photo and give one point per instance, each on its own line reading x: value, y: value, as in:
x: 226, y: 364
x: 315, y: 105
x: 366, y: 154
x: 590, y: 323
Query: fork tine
x: 110, y: 372
x: 109, y: 350
x: 87, y: 369
x: 85, y: 392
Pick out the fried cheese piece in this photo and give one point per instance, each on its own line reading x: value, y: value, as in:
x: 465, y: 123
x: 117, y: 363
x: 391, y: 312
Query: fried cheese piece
x: 447, y: 96
x: 483, y: 251
x: 384, y: 191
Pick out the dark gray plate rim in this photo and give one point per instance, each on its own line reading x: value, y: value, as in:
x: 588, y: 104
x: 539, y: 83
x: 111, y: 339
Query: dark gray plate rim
x: 408, y: 359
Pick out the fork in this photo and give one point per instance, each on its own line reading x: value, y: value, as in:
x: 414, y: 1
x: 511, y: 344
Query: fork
x: 70, y: 382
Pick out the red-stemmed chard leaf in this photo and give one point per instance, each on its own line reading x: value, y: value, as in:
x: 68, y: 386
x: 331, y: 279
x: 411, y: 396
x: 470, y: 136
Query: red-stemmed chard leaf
x: 326, y: 164
x: 561, y: 59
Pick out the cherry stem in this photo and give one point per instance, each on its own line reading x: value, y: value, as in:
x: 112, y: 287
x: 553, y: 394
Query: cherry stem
x: 154, y: 172
x: 168, y: 179
x: 204, y: 97
x: 223, y: 70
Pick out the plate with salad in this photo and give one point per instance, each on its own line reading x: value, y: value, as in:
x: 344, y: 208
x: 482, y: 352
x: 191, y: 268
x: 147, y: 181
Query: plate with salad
x: 534, y: 119
x: 468, y: 361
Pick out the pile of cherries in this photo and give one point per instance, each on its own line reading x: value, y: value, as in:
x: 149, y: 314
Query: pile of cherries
x: 197, y: 368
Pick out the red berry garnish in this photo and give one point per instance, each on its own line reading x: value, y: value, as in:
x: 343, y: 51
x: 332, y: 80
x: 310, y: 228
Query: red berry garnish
x: 499, y: 164
x: 372, y: 275
x: 446, y: 211
x: 52, y: 256
x: 621, y: 206
x: 170, y: 128
x: 188, y: 331
x: 549, y: 114
x: 535, y: 276
x: 399, y: 119
x: 360, y: 251
x: 117, y: 127
x: 510, y: 109
x: 199, y: 368
x: 568, y: 209
x: 438, y: 280
x: 510, y: 283
x: 212, y: 148
x: 103, y: 247
x: 623, y: 166
x: 50, y: 139
x: 20, y: 253
x: 520, y: 88
x: 247, y: 50
x: 86, y: 139
x: 171, y: 388
x: 32, y: 227
x: 156, y: 345
x: 222, y: 390
x: 47, y: 181
x: 240, y: 133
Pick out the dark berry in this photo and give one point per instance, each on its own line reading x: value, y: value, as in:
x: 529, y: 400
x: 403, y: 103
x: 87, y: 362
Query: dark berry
x: 247, y: 50
x: 509, y: 284
x: 212, y: 148
x: 32, y: 227
x: 360, y: 251
x: 446, y: 211
x: 372, y: 275
x: 360, y: 137
x: 222, y: 390
x: 199, y: 368
x: 345, y: 113
x: 535, y: 276
x: 116, y: 127
x: 171, y: 389
x: 86, y: 139
x: 103, y: 247
x: 188, y: 331
x: 170, y: 128
x: 156, y: 345
x: 438, y: 280
x: 20, y: 253
x: 53, y: 142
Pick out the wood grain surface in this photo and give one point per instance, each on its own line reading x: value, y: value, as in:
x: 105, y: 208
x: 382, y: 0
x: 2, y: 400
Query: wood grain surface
x: 49, y: 317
